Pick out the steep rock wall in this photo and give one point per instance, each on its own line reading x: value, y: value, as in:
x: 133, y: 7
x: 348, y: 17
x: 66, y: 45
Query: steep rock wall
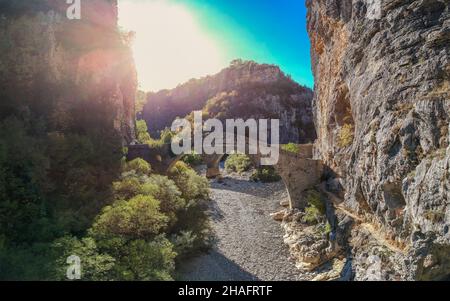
x: 39, y: 43
x: 381, y: 105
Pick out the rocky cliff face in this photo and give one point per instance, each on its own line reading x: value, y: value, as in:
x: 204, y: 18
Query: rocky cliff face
x: 381, y: 105
x: 243, y: 90
x: 40, y: 44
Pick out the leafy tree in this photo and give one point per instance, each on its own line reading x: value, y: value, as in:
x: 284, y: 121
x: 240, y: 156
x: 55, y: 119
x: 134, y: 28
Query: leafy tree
x: 142, y: 132
x: 127, y: 188
x: 193, y: 218
x: 140, y: 166
x: 138, y: 218
x: 193, y: 159
x: 95, y: 266
x: 168, y: 194
x: 147, y: 260
x: 192, y: 186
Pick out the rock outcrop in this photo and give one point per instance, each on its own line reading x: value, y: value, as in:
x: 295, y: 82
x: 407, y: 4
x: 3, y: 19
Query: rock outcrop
x: 243, y: 90
x: 381, y: 107
x: 42, y: 47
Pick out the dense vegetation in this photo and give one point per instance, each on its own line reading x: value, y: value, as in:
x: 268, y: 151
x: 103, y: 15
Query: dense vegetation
x: 57, y: 163
x: 64, y: 186
x: 144, y: 137
x: 58, y: 169
x: 152, y: 221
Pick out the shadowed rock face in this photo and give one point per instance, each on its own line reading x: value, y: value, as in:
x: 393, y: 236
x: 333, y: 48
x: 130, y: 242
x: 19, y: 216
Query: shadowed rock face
x: 41, y: 47
x: 243, y: 90
x: 381, y: 106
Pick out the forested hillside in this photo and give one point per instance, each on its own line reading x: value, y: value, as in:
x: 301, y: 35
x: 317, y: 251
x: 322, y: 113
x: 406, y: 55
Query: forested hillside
x: 245, y: 90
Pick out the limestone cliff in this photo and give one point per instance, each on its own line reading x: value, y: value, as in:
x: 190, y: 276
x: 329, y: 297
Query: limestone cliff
x: 381, y: 107
x: 243, y: 90
x: 40, y: 44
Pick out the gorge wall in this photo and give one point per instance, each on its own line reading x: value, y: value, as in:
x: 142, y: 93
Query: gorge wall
x: 382, y: 113
x: 40, y: 46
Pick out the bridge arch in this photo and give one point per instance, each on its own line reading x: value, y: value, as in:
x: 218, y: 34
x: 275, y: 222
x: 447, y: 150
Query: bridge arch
x: 298, y: 171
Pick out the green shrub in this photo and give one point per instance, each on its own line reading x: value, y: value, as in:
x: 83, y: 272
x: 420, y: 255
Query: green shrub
x: 315, y: 209
x: 312, y: 215
x: 291, y: 147
x: 166, y: 136
x: 193, y: 159
x: 127, y: 188
x: 144, y: 260
x: 140, y: 166
x: 142, y: 134
x: 192, y: 218
x: 192, y: 186
x: 238, y: 163
x: 324, y: 229
x: 346, y: 135
x: 266, y: 174
x: 167, y: 193
x: 138, y: 218
x: 144, y: 137
x: 184, y: 243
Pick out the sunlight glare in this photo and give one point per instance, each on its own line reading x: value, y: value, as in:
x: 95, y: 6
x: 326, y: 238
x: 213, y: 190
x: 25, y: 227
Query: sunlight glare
x: 170, y: 47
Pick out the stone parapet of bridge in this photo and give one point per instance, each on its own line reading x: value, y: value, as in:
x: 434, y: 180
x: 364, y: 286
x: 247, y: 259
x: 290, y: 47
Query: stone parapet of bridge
x: 299, y: 171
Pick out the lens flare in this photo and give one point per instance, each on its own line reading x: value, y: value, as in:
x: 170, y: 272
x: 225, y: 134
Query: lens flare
x: 170, y: 47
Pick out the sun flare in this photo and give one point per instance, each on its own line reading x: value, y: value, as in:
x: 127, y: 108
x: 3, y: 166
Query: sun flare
x: 170, y: 47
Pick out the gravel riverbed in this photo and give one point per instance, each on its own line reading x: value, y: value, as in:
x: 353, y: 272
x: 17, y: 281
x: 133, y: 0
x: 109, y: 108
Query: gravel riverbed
x: 249, y: 243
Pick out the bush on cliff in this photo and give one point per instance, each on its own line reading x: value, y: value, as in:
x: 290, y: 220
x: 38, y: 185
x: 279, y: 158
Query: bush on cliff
x: 346, y: 135
x: 315, y: 210
x: 291, y: 147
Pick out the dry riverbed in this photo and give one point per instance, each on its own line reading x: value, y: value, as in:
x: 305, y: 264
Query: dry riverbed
x: 249, y: 243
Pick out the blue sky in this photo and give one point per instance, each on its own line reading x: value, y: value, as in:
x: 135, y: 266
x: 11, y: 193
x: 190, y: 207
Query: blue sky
x: 267, y: 31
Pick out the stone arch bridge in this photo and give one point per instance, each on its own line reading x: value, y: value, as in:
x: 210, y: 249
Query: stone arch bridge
x: 299, y: 171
